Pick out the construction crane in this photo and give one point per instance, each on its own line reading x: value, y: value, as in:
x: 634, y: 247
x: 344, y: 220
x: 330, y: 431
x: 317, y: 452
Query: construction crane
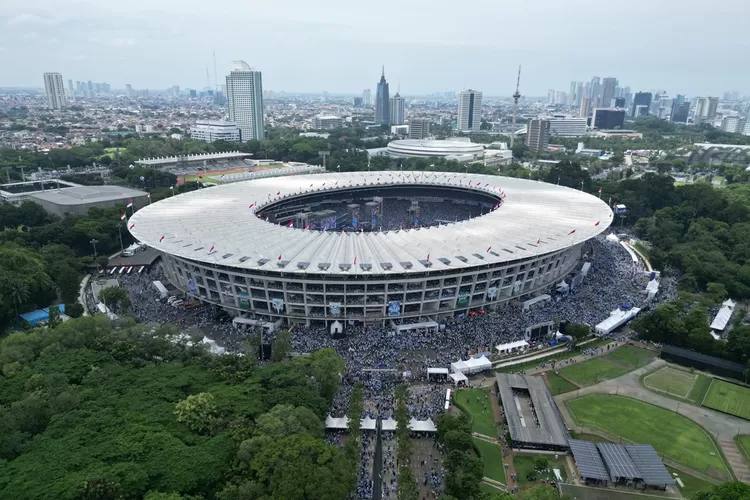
x: 516, y: 97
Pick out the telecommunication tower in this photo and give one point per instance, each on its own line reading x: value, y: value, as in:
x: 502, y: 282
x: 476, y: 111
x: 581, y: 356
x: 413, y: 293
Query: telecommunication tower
x: 516, y: 97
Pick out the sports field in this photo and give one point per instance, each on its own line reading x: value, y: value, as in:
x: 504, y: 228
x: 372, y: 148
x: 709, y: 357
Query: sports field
x: 729, y: 398
x: 182, y: 179
x: 492, y: 460
x: 677, y: 437
x: 618, y: 362
x: 558, y: 385
x: 678, y: 384
x: 477, y: 403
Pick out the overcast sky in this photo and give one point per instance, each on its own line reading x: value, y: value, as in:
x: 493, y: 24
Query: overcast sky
x: 683, y: 46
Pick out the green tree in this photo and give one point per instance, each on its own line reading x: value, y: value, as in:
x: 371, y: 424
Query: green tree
x: 197, y: 412
x: 541, y: 463
x: 68, y: 282
x: 728, y: 491
x: 115, y: 297
x: 54, y: 317
x: 74, y: 310
x: 282, y: 346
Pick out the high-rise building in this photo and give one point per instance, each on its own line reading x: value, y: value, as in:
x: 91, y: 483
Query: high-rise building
x: 419, y: 128
x: 397, y: 110
x: 537, y: 135
x: 608, y: 118
x: 619, y: 102
x: 566, y: 126
x: 129, y: 90
x: 680, y: 110
x: 572, y: 94
x: 596, y: 89
x: 71, y: 89
x: 732, y: 124
x: 609, y: 86
x: 366, y: 97
x: 53, y: 86
x: 579, y: 94
x: 89, y: 89
x: 382, y: 102
x: 561, y: 98
x: 705, y: 109
x: 245, y: 100
x: 585, y: 105
x: 641, y: 99
x: 469, y: 111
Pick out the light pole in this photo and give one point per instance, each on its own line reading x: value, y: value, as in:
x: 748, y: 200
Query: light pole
x: 581, y: 185
x: 119, y: 232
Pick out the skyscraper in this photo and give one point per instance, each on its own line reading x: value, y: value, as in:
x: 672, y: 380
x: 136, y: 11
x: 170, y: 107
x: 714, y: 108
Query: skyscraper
x: 245, y: 100
x: 585, y: 105
x: 579, y: 94
x: 680, y: 109
x: 705, y: 109
x: 641, y: 99
x: 469, y: 111
x: 595, y: 89
x: 53, y: 86
x: 382, y: 101
x: 397, y: 110
x: 537, y: 135
x: 609, y: 85
x: 71, y: 89
x: 366, y: 97
x: 572, y: 94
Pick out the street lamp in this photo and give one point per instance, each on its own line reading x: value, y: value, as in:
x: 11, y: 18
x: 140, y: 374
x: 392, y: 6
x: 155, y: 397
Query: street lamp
x: 119, y: 232
x: 581, y: 185
x: 94, y: 242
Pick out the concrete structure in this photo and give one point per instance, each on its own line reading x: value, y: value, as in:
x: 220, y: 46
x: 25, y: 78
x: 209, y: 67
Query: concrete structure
x: 55, y: 90
x: 585, y: 105
x: 469, y: 111
x: 566, y: 126
x: 705, y: 109
x: 641, y: 104
x: 679, y: 111
x: 419, y: 128
x: 413, y: 148
x: 367, y: 97
x: 608, y: 118
x: 245, y: 101
x: 397, y: 110
x: 537, y: 135
x: 78, y: 200
x: 208, y: 161
x: 218, y: 251
x: 18, y: 192
x: 382, y: 102
x: 609, y: 85
x: 733, y: 124
x: 215, y: 130
x: 327, y: 122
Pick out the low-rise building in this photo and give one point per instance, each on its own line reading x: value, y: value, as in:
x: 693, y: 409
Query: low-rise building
x: 215, y: 130
x: 78, y: 200
x: 566, y: 126
x: 327, y: 122
x: 419, y: 128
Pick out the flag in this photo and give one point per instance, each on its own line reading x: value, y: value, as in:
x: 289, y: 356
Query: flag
x: 148, y: 195
x: 487, y: 184
x: 597, y: 223
x: 503, y: 193
x: 488, y: 249
x: 279, y: 257
x: 200, y: 176
x: 266, y: 218
x: 222, y: 176
x: 130, y: 204
x: 161, y: 239
x: 355, y: 261
x: 310, y: 185
x: 428, y: 257
x: 123, y: 216
x: 573, y: 231
x: 307, y: 226
x: 278, y: 193
x: 324, y: 183
x: 131, y: 226
x: 538, y: 240
x: 211, y: 249
x: 600, y: 190
x: 336, y: 182
x: 251, y: 205
x: 291, y: 223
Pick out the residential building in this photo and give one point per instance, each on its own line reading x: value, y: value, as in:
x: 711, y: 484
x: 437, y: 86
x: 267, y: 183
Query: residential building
x: 608, y: 118
x: 469, y: 111
x: 53, y: 86
x: 579, y: 94
x: 419, y: 128
x: 245, y: 100
x: 129, y: 90
x: 537, y: 135
x: 572, y: 94
x: 397, y: 110
x: 641, y: 99
x: 71, y: 89
x: 705, y: 109
x: 595, y: 90
x: 733, y: 124
x: 215, y: 130
x: 382, y: 102
x: 366, y: 97
x: 585, y: 104
x: 680, y: 110
x: 609, y: 85
x: 327, y: 122
x: 566, y: 126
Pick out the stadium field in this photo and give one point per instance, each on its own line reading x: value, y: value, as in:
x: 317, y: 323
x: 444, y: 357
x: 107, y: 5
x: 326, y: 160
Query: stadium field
x: 590, y: 372
x: 206, y: 175
x: 473, y: 401
x: 558, y: 385
x: 677, y: 437
x: 728, y: 398
x: 671, y: 381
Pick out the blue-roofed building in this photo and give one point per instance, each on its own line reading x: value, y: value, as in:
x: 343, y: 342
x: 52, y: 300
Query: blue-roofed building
x: 35, y: 318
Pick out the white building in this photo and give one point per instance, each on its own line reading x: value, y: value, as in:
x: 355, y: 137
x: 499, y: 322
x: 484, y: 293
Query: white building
x: 705, y: 109
x: 53, y: 86
x: 327, y: 122
x: 245, y: 100
x: 397, y: 110
x: 419, y: 128
x: 566, y: 126
x: 215, y: 130
x: 733, y: 124
x: 469, y: 111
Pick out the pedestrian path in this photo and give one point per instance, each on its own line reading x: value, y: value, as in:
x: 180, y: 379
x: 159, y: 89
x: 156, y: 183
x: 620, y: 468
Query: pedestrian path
x: 735, y: 459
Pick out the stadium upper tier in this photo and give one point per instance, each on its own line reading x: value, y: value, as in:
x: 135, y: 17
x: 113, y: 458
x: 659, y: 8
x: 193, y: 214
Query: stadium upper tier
x: 223, y: 226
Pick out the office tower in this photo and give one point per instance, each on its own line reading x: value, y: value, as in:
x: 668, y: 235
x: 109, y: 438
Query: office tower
x: 327, y: 122
x: 357, y: 102
x: 129, y: 90
x: 469, y: 111
x: 419, y: 128
x: 382, y: 101
x: 608, y: 91
x: 705, y: 109
x: 619, y: 102
x: 71, y: 90
x: 560, y: 97
x: 550, y: 96
x: 732, y: 124
x: 572, y: 94
x: 579, y: 94
x: 596, y: 89
x: 585, y: 105
x: 566, y: 126
x: 679, y: 112
x: 537, y: 135
x: 608, y: 118
x: 366, y: 97
x: 397, y: 110
x: 245, y: 100
x: 641, y: 99
x: 90, y: 89
x: 53, y: 86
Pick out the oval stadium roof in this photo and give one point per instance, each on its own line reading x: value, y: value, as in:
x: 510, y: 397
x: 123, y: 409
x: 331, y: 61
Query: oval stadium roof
x: 536, y: 218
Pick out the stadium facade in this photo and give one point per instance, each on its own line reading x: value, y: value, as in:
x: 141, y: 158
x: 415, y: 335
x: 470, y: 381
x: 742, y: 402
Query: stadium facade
x: 267, y: 249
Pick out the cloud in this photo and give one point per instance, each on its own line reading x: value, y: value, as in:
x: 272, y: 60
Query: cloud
x: 26, y: 19
x: 123, y: 42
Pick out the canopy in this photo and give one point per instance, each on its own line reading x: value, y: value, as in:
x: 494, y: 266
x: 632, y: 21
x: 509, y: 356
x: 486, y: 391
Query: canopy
x: 437, y: 371
x: 337, y: 423
x: 367, y: 424
x: 616, y: 319
x: 422, y: 425
x: 458, y: 377
x: 512, y: 346
x: 541, y: 298
x: 723, y: 316
x: 212, y: 346
x: 426, y: 325
x: 388, y: 425
x: 472, y: 365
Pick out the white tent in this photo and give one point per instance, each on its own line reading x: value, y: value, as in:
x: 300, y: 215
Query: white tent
x: 585, y: 269
x: 213, y: 347
x: 516, y: 345
x: 459, y: 366
x: 472, y: 365
x: 422, y: 425
x: 458, y: 377
x: 337, y: 423
x: 616, y: 319
x: 447, y: 399
x: 388, y: 425
x: 367, y: 424
x: 437, y: 371
x: 722, y: 317
x: 652, y: 288
x: 536, y: 300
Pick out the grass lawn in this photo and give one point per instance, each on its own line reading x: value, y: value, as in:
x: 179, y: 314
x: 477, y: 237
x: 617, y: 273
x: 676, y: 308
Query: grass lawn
x: 565, y: 354
x: 672, y: 381
x: 743, y: 443
x: 594, y: 438
x: 525, y: 464
x: 673, y: 435
x: 729, y: 398
x: 630, y: 357
x: 618, y: 362
x: 558, y: 385
x: 486, y: 488
x: 692, y: 484
x: 492, y: 459
x: 482, y: 420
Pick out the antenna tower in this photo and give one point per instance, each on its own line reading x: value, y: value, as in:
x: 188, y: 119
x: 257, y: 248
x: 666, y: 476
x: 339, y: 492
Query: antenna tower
x: 516, y: 97
x: 216, y: 79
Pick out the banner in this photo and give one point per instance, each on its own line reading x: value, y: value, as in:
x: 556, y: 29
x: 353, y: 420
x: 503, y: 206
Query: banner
x: 277, y: 304
x: 492, y: 293
x: 463, y: 299
x: 244, y: 300
x: 334, y: 307
x: 394, y: 308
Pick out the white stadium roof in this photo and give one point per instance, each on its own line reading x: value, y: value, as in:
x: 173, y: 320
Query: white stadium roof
x: 190, y: 224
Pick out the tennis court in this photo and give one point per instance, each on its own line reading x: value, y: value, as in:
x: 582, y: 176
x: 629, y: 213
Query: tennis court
x: 728, y: 398
x: 671, y: 381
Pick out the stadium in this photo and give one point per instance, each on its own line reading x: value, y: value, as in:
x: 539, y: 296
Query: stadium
x: 331, y: 249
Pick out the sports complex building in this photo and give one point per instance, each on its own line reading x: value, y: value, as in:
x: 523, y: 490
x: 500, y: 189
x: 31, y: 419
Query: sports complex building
x: 376, y: 246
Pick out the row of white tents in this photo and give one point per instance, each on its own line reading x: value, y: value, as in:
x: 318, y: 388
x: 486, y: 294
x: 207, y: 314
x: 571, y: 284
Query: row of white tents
x: 471, y: 365
x: 369, y: 424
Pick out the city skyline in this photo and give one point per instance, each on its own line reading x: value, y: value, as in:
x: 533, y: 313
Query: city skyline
x: 158, y: 46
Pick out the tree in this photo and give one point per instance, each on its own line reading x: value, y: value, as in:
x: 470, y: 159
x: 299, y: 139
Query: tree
x: 282, y: 346
x: 68, y: 282
x: 19, y: 294
x: 197, y: 412
x: 577, y: 331
x: 54, y: 317
x: 99, y: 488
x: 541, y: 463
x: 74, y: 310
x: 115, y: 297
x: 734, y: 490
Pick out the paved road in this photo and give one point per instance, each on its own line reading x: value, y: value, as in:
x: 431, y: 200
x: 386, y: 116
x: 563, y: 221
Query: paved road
x: 723, y: 427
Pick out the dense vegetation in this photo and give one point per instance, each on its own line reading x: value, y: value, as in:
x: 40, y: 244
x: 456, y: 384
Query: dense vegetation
x: 100, y: 410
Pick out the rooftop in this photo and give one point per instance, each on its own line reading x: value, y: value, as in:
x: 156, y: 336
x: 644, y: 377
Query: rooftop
x: 87, y: 194
x: 173, y: 160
